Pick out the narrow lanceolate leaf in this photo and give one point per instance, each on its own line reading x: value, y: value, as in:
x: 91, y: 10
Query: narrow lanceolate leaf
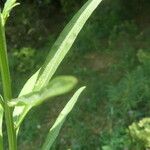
x: 64, y: 43
x: 9, y: 5
x: 57, y: 86
x: 54, y: 131
x: 60, y: 48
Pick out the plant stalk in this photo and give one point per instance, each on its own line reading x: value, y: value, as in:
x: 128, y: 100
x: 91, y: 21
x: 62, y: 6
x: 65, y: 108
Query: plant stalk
x: 5, y: 74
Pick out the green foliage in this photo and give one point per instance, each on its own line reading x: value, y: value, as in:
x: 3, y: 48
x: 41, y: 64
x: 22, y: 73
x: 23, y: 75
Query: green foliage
x: 46, y: 1
x: 144, y: 58
x: 66, y: 6
x: 23, y: 59
x: 118, y: 141
x: 128, y: 94
x: 69, y: 6
x: 127, y: 28
x: 121, y: 40
x: 127, y: 100
x: 140, y: 132
x: 113, y: 17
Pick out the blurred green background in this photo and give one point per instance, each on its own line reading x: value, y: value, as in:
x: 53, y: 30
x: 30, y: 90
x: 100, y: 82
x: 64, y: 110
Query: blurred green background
x: 111, y: 57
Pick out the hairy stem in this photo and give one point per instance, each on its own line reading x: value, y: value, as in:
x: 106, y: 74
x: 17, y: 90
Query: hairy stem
x: 5, y: 74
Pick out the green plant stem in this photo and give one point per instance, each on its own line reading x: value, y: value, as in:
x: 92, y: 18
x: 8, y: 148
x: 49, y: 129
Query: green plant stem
x: 5, y: 74
x: 1, y: 145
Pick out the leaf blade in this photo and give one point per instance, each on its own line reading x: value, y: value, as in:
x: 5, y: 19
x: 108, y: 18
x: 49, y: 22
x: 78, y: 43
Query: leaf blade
x: 58, y: 86
x: 54, y: 131
x: 64, y: 43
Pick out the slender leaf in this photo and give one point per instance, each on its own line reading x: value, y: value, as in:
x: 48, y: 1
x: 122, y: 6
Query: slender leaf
x: 57, y: 86
x: 60, y: 48
x: 9, y: 5
x: 64, y: 43
x: 54, y: 131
